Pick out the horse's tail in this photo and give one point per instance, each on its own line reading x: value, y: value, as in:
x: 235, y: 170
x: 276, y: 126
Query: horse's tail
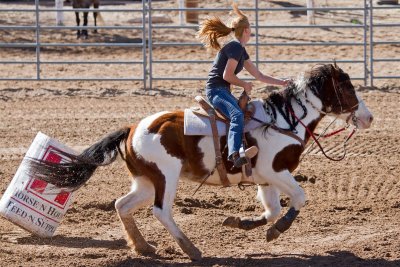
x: 73, y: 174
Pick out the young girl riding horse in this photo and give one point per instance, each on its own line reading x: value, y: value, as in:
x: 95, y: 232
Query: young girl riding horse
x: 230, y: 60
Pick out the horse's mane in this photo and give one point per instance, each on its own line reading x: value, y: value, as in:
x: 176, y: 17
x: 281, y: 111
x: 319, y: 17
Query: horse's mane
x: 318, y: 74
x: 312, y: 79
x: 281, y: 101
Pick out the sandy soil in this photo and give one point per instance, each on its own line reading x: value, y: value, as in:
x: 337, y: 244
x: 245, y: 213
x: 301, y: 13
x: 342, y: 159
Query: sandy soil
x: 352, y: 213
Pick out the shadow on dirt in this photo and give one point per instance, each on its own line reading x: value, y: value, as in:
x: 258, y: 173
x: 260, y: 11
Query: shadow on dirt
x: 73, y: 242
x: 296, y: 13
x: 334, y: 258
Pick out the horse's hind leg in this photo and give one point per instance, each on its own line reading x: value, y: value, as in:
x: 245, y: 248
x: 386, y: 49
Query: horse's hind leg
x: 95, y: 5
x: 163, y: 211
x: 142, y: 193
x: 78, y: 21
x: 269, y: 197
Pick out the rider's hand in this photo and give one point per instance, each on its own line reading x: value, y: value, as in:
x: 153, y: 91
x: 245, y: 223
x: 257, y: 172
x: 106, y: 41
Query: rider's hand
x: 248, y: 86
x: 286, y: 82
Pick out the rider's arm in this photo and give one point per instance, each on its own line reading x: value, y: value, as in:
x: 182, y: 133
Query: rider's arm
x: 252, y: 69
x: 229, y: 73
x: 230, y: 76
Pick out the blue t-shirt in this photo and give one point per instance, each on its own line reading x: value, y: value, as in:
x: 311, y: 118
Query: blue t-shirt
x: 234, y: 50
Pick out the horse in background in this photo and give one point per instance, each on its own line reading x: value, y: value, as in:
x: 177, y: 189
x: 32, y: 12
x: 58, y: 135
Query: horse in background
x: 86, y: 4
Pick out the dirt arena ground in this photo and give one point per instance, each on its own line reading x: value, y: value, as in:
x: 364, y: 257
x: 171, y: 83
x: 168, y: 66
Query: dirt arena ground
x: 352, y: 216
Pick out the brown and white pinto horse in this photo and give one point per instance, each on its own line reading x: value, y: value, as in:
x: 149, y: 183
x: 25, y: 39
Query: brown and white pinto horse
x: 158, y: 153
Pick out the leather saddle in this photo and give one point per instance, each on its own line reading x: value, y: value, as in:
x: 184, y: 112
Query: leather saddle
x: 207, y: 110
x: 247, y: 108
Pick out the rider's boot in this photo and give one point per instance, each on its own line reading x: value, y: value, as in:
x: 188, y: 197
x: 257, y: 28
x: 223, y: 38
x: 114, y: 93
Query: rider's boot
x: 240, y: 159
x: 237, y: 160
x: 251, y: 152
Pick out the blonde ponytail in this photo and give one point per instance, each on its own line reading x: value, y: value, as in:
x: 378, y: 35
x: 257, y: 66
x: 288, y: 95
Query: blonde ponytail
x: 213, y: 28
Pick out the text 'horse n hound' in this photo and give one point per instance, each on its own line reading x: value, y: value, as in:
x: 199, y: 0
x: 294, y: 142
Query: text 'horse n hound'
x: 157, y: 154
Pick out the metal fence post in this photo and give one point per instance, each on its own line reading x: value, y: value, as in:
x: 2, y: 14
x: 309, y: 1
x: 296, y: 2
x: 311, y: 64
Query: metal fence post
x: 144, y: 54
x: 150, y: 47
x: 37, y: 40
x: 257, y: 55
x: 371, y: 42
x: 365, y: 43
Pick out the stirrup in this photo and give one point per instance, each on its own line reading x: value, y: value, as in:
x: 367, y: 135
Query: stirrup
x: 247, y: 176
x: 240, y: 161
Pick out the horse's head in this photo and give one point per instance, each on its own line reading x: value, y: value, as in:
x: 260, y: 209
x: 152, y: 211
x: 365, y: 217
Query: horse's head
x: 333, y: 87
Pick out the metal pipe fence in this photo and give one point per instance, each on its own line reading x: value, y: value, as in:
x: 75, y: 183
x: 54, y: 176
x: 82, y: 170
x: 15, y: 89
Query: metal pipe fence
x: 259, y: 44
x: 39, y: 45
x: 373, y: 43
x: 149, y: 42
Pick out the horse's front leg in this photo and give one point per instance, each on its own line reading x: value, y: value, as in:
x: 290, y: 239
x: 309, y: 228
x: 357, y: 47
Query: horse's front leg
x: 85, y: 23
x: 78, y: 21
x: 95, y: 5
x: 269, y: 197
x: 286, y: 183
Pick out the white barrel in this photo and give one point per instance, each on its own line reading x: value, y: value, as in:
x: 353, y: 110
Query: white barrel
x: 31, y: 203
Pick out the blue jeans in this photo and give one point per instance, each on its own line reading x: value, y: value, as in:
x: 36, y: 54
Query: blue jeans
x: 227, y: 104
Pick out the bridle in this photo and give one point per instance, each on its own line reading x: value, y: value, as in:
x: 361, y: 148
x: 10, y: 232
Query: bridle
x: 338, y: 88
x: 339, y: 94
x: 352, y: 110
x: 312, y: 135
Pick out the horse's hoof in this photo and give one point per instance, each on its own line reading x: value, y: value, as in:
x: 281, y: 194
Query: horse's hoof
x: 232, y: 222
x: 272, y: 233
x: 145, y: 250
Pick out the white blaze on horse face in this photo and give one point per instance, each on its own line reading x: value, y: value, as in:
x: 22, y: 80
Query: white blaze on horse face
x: 362, y: 116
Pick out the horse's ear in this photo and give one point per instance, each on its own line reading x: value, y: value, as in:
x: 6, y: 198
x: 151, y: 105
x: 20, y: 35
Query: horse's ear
x: 334, y: 68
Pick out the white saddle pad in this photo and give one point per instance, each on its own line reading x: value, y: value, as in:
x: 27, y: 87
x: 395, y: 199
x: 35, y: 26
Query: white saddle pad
x: 199, y: 125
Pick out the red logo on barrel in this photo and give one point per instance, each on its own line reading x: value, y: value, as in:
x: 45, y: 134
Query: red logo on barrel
x: 38, y: 187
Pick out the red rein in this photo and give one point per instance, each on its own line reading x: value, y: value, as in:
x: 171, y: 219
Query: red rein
x: 332, y: 133
x: 324, y: 136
